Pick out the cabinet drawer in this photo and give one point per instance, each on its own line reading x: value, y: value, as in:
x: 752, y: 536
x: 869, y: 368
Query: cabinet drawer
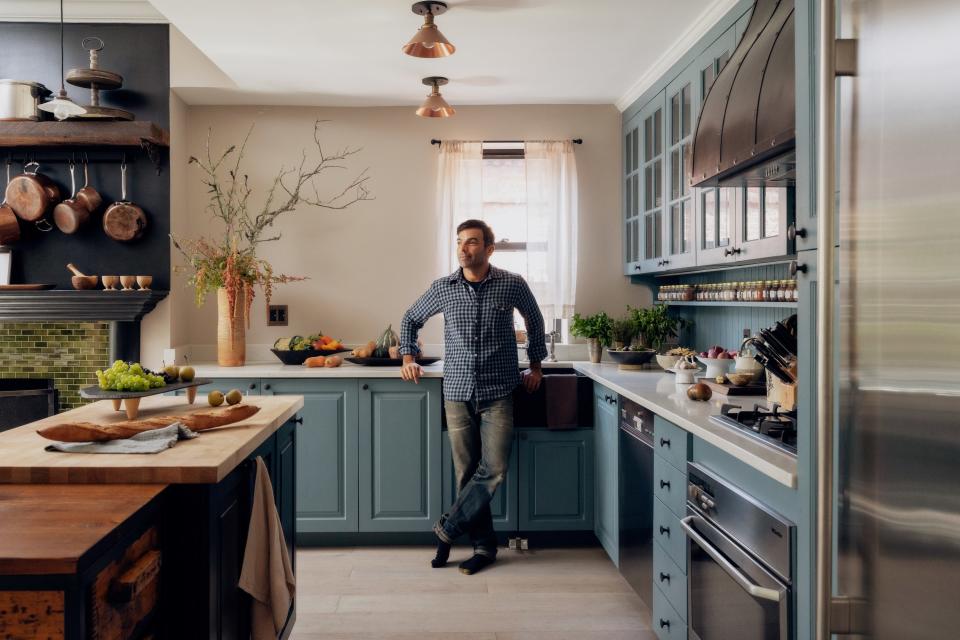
x: 670, y: 579
x: 126, y: 590
x: 666, y: 622
x: 671, y: 442
x: 668, y: 533
x: 670, y: 485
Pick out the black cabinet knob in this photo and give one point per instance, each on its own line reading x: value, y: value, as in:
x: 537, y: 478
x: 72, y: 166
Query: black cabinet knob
x: 665, y: 442
x: 797, y: 266
x: 664, y: 263
x: 636, y: 267
x: 732, y: 252
x: 298, y: 420
x: 664, y: 577
x: 664, y: 623
x: 365, y: 387
x: 252, y: 386
x: 664, y: 531
x: 664, y: 484
x: 267, y: 387
x: 793, y: 233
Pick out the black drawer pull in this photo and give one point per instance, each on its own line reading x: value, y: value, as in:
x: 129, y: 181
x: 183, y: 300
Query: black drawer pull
x: 252, y: 386
x: 665, y: 442
x: 298, y: 420
x: 664, y: 484
x: 365, y: 387
x: 664, y: 577
x: 266, y: 387
x: 664, y: 531
x: 664, y: 623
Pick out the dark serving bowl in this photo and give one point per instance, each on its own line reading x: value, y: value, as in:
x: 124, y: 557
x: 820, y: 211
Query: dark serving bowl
x: 631, y: 358
x: 297, y: 357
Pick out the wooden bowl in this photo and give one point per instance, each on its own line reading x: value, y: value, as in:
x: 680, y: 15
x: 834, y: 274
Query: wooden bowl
x: 110, y: 282
x: 128, y: 282
x: 739, y: 379
x: 81, y: 283
x: 144, y: 282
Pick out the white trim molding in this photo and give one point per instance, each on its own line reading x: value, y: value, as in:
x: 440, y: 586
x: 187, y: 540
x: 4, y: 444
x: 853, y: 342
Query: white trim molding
x: 121, y: 11
x: 672, y: 55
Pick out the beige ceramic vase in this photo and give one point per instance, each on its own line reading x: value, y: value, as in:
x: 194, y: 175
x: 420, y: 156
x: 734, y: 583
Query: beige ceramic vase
x: 231, y: 330
x: 594, y: 349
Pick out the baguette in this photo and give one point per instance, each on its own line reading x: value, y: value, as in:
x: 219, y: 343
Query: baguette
x: 198, y: 421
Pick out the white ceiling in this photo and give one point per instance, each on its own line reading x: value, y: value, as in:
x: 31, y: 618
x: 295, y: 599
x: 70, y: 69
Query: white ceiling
x: 347, y: 53
x: 340, y: 53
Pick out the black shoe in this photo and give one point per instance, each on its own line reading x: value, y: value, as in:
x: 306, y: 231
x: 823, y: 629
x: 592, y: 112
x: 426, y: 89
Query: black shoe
x: 443, y: 554
x: 475, y: 563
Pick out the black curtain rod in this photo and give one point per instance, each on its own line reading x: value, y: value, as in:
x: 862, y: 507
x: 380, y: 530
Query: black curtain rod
x: 574, y: 141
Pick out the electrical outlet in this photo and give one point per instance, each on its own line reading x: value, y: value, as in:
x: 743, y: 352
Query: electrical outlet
x: 277, y: 315
x: 746, y: 332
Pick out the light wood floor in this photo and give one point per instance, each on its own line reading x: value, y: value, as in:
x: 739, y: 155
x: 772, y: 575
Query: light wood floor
x: 392, y: 593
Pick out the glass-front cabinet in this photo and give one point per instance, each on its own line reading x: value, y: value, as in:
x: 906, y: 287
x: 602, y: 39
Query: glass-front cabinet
x: 652, y: 184
x: 682, y: 108
x: 631, y: 201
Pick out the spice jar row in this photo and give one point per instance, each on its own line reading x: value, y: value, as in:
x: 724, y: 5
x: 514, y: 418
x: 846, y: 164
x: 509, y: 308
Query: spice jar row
x: 753, y: 291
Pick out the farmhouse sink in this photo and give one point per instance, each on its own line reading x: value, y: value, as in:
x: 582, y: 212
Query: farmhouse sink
x: 530, y: 409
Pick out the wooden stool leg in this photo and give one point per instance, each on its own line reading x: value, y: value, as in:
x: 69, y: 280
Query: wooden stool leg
x: 132, y: 405
x: 116, y: 404
x: 191, y: 394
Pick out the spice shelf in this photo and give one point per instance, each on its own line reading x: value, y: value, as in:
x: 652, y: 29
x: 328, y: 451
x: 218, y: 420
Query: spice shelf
x: 725, y: 303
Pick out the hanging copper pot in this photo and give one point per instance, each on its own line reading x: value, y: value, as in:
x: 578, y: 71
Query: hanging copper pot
x: 71, y: 214
x: 9, y: 224
x: 124, y: 221
x: 87, y: 195
x: 31, y: 194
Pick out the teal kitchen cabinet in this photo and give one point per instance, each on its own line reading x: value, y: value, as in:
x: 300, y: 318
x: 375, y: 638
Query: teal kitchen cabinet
x: 327, y: 452
x: 400, y: 483
x: 632, y: 222
x: 672, y: 448
x: 504, y: 504
x: 652, y: 181
x: 606, y: 524
x: 667, y: 622
x: 683, y: 107
x: 555, y: 480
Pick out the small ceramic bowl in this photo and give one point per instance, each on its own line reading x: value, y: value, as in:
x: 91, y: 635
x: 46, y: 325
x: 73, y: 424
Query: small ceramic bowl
x: 144, y: 282
x: 110, y: 282
x: 741, y: 379
x: 667, y: 362
x: 747, y: 364
x: 716, y: 367
x: 128, y: 282
x: 82, y: 283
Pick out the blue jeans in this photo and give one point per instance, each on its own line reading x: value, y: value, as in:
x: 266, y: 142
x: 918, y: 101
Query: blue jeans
x: 481, y: 435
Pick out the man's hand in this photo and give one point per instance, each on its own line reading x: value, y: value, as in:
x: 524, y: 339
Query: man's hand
x: 410, y: 370
x: 531, y: 379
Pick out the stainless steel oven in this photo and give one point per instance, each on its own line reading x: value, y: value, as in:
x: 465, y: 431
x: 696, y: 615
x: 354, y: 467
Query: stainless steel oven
x: 739, y: 563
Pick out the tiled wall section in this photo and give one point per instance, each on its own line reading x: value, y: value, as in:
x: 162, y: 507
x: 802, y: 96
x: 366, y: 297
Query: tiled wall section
x: 68, y: 352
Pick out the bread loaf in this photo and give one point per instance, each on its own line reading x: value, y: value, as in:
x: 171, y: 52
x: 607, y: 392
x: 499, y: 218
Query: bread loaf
x: 198, y: 421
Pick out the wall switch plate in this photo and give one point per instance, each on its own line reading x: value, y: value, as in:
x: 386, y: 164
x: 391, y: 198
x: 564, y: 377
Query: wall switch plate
x: 277, y: 315
x: 746, y: 332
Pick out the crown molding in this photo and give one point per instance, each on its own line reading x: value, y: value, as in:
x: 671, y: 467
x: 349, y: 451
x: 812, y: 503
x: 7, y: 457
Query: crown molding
x: 102, y: 11
x: 675, y: 52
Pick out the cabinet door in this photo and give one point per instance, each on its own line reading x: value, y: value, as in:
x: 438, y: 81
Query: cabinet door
x: 607, y: 484
x: 762, y: 222
x: 285, y: 484
x: 716, y: 208
x: 652, y: 181
x: 504, y: 504
x: 556, y: 480
x: 400, y: 470
x: 683, y: 105
x: 632, y: 222
x: 326, y: 453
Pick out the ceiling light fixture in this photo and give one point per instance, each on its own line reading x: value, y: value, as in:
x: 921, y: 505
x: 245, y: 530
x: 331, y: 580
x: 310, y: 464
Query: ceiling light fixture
x: 62, y: 107
x: 428, y: 42
x: 435, y: 106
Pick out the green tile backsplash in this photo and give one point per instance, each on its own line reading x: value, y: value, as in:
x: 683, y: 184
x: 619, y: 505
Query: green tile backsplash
x: 67, y: 352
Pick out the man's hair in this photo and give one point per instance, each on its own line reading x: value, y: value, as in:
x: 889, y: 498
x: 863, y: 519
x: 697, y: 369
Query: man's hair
x: 488, y: 238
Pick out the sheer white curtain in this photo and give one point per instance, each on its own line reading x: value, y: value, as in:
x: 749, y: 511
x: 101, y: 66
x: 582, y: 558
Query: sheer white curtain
x: 552, y: 227
x: 459, y: 196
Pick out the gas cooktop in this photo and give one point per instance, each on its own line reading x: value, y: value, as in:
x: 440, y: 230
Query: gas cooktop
x: 774, y: 427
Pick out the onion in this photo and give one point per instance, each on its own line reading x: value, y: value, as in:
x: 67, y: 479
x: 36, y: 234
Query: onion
x: 699, y: 391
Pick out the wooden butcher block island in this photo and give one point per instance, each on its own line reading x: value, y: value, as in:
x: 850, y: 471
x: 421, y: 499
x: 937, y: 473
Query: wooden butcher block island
x: 138, y: 545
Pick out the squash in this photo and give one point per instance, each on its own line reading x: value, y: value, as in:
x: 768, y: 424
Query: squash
x: 388, y: 338
x: 333, y: 361
x: 315, y: 361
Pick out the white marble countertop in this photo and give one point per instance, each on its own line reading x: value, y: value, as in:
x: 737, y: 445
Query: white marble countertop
x: 346, y: 370
x: 659, y: 392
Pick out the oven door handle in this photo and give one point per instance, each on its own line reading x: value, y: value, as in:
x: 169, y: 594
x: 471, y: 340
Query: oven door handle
x: 748, y: 585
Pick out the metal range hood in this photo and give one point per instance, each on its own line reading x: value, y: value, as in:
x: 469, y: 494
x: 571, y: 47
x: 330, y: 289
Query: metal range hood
x: 747, y: 128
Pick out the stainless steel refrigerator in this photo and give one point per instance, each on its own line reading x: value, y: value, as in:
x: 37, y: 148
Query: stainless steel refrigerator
x: 891, y: 499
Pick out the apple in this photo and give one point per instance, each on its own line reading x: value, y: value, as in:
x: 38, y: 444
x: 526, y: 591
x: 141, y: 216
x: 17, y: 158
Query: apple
x: 723, y: 355
x: 703, y: 354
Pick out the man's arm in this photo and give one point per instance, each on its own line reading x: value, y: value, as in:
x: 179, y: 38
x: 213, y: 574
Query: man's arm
x: 423, y: 309
x: 533, y: 321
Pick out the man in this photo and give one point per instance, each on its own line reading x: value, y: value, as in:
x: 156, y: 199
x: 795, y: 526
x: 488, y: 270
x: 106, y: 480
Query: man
x: 480, y: 372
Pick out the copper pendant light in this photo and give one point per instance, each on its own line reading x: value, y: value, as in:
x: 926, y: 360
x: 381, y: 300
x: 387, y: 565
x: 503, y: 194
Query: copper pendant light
x: 435, y: 106
x: 428, y: 42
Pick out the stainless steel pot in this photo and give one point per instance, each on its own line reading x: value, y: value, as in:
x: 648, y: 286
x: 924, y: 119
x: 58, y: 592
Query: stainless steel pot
x: 19, y: 99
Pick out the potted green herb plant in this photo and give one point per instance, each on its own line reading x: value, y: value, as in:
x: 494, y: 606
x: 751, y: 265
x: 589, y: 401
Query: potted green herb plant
x: 656, y: 325
x: 624, y: 330
x: 597, y: 329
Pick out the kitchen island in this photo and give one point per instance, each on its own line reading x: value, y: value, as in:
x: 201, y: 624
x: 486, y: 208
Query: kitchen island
x: 120, y: 545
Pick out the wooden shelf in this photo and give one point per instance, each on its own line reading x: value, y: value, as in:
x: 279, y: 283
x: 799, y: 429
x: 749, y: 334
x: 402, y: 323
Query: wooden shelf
x: 732, y: 303
x: 76, y: 134
x: 97, y: 305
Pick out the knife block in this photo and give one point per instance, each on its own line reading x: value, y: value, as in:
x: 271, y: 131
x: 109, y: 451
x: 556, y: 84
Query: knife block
x: 782, y: 393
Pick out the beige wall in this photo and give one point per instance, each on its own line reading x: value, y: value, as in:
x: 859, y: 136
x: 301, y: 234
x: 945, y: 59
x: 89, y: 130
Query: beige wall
x: 368, y: 263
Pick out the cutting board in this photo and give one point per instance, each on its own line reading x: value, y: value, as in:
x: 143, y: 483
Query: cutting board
x: 727, y: 389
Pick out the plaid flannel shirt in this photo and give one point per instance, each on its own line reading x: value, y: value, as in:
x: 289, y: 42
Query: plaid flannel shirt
x: 480, y: 346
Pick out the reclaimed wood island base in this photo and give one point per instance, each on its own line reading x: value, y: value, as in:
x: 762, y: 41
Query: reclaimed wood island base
x: 129, y: 546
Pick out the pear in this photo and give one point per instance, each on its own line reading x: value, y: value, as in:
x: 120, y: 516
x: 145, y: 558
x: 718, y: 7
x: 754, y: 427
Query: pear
x: 187, y: 374
x: 172, y: 370
x: 215, y: 398
x: 234, y: 396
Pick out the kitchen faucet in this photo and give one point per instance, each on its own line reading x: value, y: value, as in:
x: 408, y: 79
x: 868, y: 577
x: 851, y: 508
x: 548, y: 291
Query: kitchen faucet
x: 553, y: 335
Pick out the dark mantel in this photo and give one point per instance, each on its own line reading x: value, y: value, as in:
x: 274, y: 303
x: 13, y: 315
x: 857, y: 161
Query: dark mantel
x: 79, y: 306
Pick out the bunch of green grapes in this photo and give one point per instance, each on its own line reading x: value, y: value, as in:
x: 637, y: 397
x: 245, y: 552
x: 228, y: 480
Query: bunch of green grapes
x: 124, y: 376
